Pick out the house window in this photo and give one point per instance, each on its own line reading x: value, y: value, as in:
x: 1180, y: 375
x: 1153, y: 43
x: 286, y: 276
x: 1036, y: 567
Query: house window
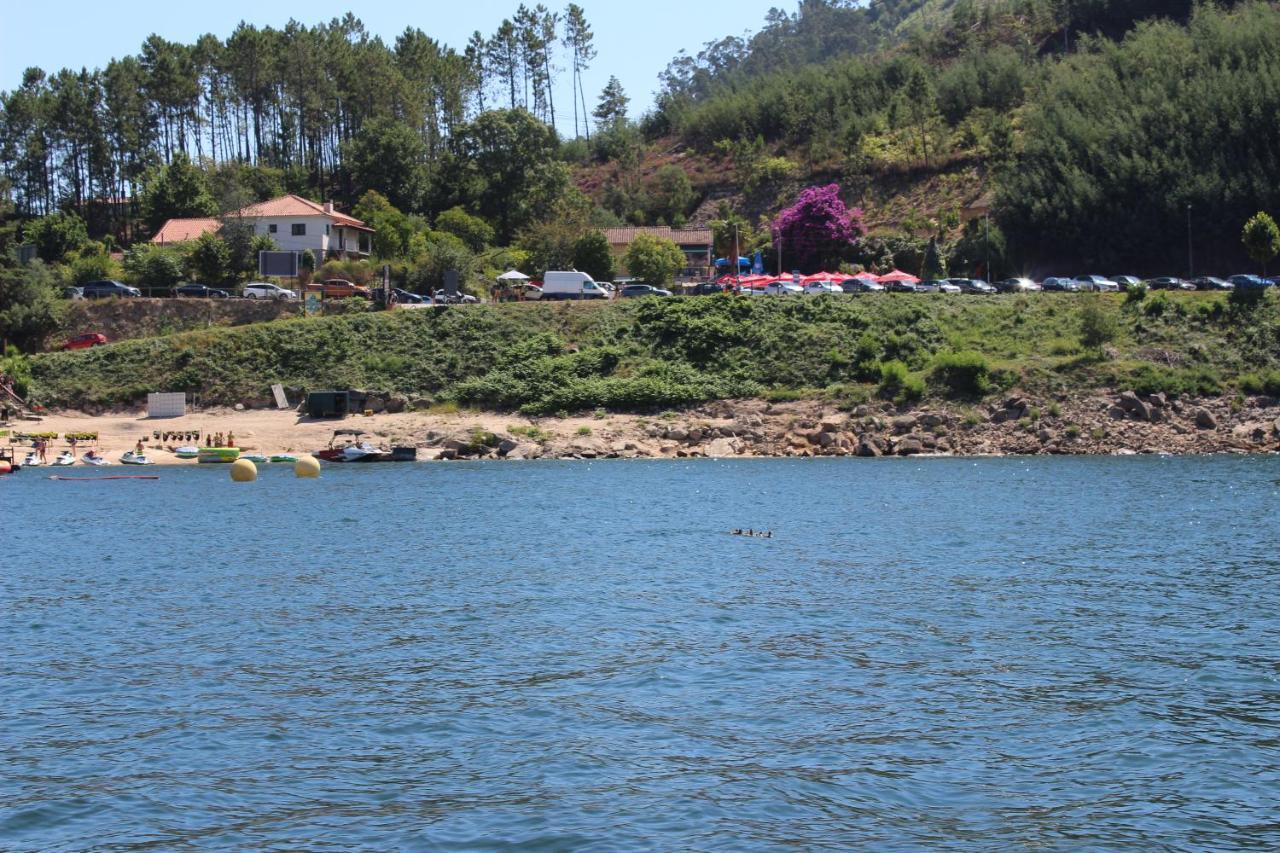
x: 299, y: 229
x: 272, y: 228
x: 326, y: 229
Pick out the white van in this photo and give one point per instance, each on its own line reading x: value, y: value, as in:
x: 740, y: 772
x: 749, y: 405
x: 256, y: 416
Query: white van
x: 266, y: 290
x: 571, y: 285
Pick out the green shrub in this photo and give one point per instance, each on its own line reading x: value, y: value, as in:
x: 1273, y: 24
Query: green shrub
x: 898, y: 384
x: 1097, y: 326
x: 584, y: 430
x: 962, y: 374
x: 1176, y: 382
x: 1135, y: 293
x: 1263, y: 382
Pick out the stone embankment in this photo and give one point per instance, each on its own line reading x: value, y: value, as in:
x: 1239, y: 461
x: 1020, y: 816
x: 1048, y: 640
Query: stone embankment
x: 1119, y: 424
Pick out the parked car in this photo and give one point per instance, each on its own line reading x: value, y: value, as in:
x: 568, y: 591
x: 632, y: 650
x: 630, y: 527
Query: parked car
x: 1208, y: 282
x: 635, y: 290
x: 571, y: 284
x: 72, y: 293
x: 1066, y: 285
x: 972, y: 285
x: 337, y: 288
x: 267, y: 290
x: 708, y: 288
x: 1248, y: 281
x: 103, y: 289
x: 1126, y: 281
x: 820, y: 287
x: 863, y: 285
x: 195, y: 290
x: 1017, y: 285
x: 932, y: 285
x: 901, y: 287
x: 783, y: 288
x: 405, y: 297
x: 945, y: 286
x: 1169, y: 282
x: 1097, y: 283
x: 527, y: 289
x: 86, y: 341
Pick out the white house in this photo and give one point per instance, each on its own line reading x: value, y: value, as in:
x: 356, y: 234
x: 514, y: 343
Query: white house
x: 293, y: 222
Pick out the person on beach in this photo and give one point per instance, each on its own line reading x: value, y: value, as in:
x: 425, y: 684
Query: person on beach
x: 137, y: 448
x: 231, y: 439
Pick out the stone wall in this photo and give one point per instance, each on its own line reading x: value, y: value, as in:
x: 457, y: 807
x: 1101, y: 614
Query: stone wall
x: 122, y: 319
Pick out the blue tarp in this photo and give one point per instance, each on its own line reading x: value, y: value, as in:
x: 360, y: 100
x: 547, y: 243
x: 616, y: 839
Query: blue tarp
x: 742, y: 262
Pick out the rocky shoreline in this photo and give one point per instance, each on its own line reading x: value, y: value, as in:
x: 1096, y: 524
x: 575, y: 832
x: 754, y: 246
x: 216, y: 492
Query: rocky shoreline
x: 1105, y: 424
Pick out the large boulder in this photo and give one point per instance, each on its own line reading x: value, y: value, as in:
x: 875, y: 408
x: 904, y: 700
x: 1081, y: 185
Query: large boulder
x: 904, y: 423
x: 1205, y: 419
x: 909, y: 446
x: 868, y: 447
x: 720, y: 448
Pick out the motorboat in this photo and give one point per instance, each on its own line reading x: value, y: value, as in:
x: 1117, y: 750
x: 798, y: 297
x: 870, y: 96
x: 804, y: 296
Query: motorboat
x: 134, y: 458
x: 93, y: 457
x: 64, y: 459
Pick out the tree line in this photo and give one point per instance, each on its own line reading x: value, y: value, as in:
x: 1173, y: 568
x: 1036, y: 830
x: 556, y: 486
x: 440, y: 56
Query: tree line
x: 300, y: 101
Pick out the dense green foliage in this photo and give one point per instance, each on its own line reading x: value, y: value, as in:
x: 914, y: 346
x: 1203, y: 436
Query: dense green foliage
x: 655, y: 353
x: 1125, y: 135
x: 653, y: 259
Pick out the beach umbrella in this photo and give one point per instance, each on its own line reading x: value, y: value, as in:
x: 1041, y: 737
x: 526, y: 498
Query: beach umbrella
x: 865, y: 276
x: 897, y: 275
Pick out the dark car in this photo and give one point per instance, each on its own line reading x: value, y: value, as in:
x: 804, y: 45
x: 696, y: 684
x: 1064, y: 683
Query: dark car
x: 86, y: 341
x: 72, y: 293
x: 1170, y: 282
x: 1017, y: 285
x: 404, y: 297
x: 194, y: 290
x: 902, y: 287
x: 103, y: 289
x: 1208, y: 282
x: 1061, y: 283
x: 632, y: 290
x: 1249, y: 282
x: 709, y: 288
x: 972, y: 285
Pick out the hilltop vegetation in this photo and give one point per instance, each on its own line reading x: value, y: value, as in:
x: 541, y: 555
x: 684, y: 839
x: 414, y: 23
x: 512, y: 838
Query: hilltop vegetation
x: 652, y: 354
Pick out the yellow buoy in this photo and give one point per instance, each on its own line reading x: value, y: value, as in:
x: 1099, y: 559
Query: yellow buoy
x: 307, y: 467
x: 244, y: 471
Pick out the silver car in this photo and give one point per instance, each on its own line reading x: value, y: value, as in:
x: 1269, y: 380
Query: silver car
x: 1098, y: 283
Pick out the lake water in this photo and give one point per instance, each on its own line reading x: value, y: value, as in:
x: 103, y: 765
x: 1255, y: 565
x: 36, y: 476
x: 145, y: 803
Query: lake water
x: 1049, y: 653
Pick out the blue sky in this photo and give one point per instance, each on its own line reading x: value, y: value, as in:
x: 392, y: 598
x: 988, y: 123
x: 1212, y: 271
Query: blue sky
x: 634, y: 40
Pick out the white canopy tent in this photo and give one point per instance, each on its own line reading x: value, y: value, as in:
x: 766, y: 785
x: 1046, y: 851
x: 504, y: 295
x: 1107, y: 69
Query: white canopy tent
x: 513, y: 275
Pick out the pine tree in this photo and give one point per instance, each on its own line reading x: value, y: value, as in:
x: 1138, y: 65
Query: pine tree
x: 612, y: 105
x: 579, y: 38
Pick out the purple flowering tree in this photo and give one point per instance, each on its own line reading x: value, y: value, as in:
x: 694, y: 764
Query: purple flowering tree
x: 818, y: 229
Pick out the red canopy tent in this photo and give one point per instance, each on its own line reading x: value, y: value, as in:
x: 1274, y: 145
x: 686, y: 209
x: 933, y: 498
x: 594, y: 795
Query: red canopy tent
x: 866, y: 276
x: 897, y: 275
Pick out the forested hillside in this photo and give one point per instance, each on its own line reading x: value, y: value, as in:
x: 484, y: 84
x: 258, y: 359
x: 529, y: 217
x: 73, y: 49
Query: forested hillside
x: 1086, y: 128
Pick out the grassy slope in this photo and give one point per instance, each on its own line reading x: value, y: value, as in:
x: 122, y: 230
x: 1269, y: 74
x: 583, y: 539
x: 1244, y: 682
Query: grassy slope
x: 647, y: 353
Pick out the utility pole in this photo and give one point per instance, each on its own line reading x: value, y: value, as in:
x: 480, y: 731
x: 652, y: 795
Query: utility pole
x: 737, y: 269
x: 1191, y: 267
x: 779, y: 253
x: 986, y: 220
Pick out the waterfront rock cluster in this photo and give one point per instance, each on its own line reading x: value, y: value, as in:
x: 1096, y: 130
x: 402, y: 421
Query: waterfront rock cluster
x: 1113, y: 424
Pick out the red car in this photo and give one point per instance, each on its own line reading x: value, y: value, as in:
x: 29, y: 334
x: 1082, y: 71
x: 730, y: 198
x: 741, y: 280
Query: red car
x: 338, y: 288
x: 93, y: 339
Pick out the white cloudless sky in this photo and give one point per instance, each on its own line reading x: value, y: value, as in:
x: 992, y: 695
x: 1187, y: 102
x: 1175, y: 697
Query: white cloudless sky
x: 634, y: 40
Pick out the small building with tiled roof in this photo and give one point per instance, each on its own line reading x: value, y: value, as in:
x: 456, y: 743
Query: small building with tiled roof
x: 294, y: 223
x: 696, y: 243
x: 184, y: 230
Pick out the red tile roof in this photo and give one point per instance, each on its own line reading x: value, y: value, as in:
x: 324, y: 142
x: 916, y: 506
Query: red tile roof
x: 294, y: 205
x: 683, y: 236
x: 182, y: 230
